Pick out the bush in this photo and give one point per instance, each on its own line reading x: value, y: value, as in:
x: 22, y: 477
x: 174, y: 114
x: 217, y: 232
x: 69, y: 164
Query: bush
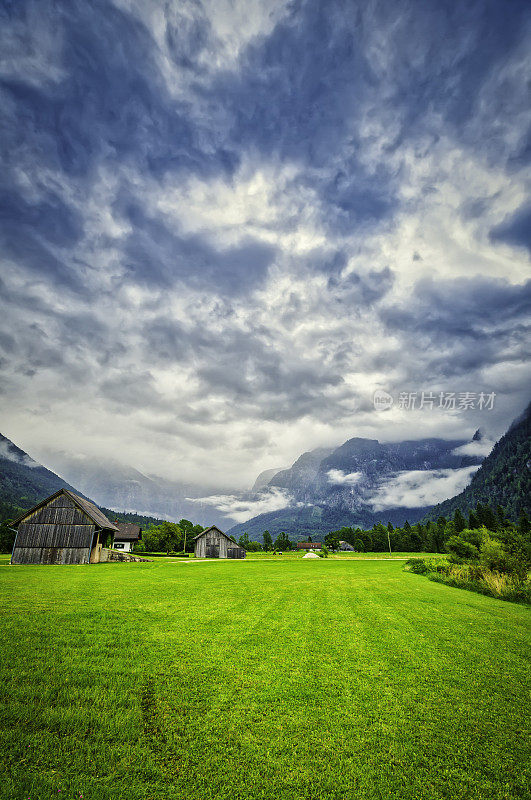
x: 461, y: 550
x: 423, y: 566
x: 416, y: 565
x: 518, y: 547
x: 476, y: 578
x: 520, y: 594
x: 448, y: 580
x: 499, y: 583
x: 494, y: 557
x: 474, y: 536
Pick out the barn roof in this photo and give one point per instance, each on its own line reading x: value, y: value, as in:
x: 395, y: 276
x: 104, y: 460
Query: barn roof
x: 128, y: 531
x: 92, y: 511
x: 213, y: 528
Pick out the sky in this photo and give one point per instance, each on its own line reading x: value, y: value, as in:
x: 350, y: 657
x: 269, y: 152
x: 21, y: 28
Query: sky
x: 224, y: 224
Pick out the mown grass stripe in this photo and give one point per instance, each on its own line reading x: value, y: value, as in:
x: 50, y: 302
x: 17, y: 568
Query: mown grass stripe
x: 259, y: 680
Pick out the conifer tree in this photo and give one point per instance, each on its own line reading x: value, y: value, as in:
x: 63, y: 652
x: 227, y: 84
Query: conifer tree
x: 473, y: 521
x: 524, y: 525
x: 459, y: 521
x: 489, y: 518
x: 500, y: 513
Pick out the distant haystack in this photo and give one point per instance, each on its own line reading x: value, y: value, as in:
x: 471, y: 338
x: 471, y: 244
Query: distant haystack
x: 310, y: 555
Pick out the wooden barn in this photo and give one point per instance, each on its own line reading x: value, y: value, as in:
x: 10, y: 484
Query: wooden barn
x: 63, y: 529
x: 213, y: 543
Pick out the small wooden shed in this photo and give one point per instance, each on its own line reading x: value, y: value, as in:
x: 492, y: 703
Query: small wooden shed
x: 63, y: 529
x: 345, y: 545
x: 213, y: 543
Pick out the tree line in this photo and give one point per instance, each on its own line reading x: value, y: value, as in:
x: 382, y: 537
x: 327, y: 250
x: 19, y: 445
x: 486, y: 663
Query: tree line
x: 281, y: 543
x: 430, y: 537
x: 169, y: 537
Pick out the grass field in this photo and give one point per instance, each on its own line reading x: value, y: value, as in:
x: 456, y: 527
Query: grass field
x: 260, y: 679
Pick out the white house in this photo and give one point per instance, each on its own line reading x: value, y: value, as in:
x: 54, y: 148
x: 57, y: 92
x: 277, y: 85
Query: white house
x: 127, y: 536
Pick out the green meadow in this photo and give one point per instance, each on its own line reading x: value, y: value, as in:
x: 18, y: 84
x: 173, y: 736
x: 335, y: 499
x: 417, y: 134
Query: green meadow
x: 263, y: 679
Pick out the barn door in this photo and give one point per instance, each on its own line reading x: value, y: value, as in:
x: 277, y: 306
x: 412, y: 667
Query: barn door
x: 212, y: 551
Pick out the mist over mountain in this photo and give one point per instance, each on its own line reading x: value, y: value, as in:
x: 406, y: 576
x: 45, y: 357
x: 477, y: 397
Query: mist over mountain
x: 24, y: 482
x: 361, y: 482
x: 264, y: 478
x: 125, y: 488
x: 364, y: 481
x: 503, y: 479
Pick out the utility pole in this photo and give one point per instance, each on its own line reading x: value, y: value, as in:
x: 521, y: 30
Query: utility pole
x: 389, y: 540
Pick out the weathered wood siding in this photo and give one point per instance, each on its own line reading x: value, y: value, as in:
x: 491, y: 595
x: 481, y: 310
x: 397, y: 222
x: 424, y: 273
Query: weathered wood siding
x: 214, y: 544
x: 50, y: 555
x: 200, y: 547
x: 57, y: 533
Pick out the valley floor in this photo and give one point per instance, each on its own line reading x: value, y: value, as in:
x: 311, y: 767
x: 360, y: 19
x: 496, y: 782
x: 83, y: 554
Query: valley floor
x: 260, y: 679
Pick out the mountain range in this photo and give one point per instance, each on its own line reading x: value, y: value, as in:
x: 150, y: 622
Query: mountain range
x: 361, y: 482
x: 364, y: 481
x: 114, y: 487
x: 123, y: 487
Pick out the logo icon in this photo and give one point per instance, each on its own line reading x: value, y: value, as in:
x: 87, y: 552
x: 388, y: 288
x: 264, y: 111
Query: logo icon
x: 382, y: 400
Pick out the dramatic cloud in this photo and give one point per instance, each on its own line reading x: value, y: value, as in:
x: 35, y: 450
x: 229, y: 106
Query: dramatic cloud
x: 418, y: 488
x: 225, y: 224
x: 240, y: 508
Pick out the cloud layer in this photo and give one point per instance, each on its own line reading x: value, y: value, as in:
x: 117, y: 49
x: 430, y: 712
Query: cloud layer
x: 338, y: 477
x: 224, y: 225
x: 418, y: 488
x: 240, y: 508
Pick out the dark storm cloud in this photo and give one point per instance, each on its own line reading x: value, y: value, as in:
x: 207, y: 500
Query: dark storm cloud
x: 461, y: 325
x: 123, y: 283
x: 111, y: 101
x: 427, y: 60
x: 516, y: 230
x: 51, y: 218
x: 464, y: 306
x: 131, y: 389
x: 303, y: 93
x: 111, y: 106
x: 156, y: 255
